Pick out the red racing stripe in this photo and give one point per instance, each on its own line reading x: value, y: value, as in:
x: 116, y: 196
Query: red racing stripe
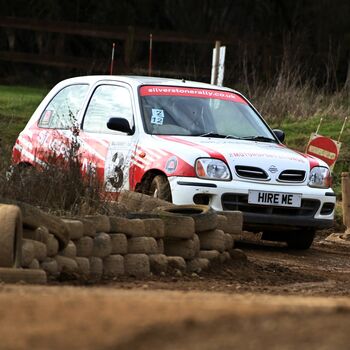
x: 211, y: 152
x: 312, y: 161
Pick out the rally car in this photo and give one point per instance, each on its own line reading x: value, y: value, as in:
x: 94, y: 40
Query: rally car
x: 185, y: 142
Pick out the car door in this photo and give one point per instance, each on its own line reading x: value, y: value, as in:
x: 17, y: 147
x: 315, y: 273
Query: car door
x: 107, y: 151
x: 51, y: 137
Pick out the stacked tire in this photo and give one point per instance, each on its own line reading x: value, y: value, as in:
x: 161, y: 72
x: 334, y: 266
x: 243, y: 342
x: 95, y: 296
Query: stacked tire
x: 11, y: 239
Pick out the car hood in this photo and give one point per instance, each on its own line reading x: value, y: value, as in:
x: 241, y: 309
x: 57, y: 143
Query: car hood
x: 273, y: 158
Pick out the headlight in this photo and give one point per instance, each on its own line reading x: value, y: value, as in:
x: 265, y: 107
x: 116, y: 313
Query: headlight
x: 213, y: 169
x: 320, y: 177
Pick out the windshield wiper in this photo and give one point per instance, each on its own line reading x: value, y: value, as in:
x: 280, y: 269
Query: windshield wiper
x: 259, y: 138
x: 213, y: 134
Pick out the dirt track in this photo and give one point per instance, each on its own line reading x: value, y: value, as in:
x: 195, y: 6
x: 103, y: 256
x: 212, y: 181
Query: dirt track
x: 278, y: 299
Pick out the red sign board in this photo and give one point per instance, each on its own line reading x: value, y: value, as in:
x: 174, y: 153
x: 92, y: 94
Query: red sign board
x: 323, y: 148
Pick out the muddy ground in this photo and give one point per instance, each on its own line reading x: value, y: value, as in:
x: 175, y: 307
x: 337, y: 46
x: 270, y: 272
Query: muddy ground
x: 276, y: 299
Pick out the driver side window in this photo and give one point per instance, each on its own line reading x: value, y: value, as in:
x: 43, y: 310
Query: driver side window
x: 106, y: 102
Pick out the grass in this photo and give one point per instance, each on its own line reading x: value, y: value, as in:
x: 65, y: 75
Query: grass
x: 298, y: 134
x: 17, y: 104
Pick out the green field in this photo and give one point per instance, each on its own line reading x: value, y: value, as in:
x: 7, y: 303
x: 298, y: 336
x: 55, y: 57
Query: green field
x: 17, y: 104
x: 298, y: 134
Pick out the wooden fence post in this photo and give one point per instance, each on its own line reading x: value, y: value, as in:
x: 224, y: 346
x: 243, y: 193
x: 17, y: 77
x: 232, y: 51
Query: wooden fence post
x: 345, y: 185
x: 129, y: 47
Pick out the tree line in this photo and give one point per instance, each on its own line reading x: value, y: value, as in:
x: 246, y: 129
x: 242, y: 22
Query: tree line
x: 304, y: 40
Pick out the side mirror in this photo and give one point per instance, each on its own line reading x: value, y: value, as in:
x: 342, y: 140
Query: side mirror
x: 119, y: 124
x: 279, y: 134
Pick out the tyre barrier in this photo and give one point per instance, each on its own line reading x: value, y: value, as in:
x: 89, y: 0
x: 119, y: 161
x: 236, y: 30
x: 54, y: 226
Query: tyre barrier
x: 170, y: 239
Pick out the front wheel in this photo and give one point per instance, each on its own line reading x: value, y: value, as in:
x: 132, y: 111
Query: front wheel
x: 160, y: 188
x: 301, y: 239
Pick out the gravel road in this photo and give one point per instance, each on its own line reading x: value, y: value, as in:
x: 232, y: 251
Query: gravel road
x: 277, y: 299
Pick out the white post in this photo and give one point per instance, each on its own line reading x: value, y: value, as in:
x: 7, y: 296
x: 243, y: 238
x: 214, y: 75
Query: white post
x: 215, y: 63
x: 221, y: 69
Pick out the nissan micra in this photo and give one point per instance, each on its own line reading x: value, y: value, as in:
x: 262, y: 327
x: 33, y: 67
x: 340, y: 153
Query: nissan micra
x: 185, y: 142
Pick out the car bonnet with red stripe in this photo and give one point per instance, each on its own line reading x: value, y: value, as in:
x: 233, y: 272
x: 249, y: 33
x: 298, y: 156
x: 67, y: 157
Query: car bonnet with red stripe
x: 176, y: 155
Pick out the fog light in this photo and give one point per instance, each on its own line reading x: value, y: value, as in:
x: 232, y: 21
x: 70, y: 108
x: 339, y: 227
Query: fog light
x: 327, y: 208
x: 201, y: 198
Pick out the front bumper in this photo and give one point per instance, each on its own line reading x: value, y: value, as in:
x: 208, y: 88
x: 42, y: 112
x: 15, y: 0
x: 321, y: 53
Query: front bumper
x: 257, y: 222
x: 316, y: 211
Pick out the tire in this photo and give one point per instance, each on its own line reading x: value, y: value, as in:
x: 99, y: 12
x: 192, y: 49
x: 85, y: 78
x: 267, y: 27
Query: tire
x: 27, y: 253
x: 50, y: 266
x: 11, y: 231
x: 33, y: 218
x: 177, y: 263
x: 300, y: 239
x: 83, y: 266
x: 176, y: 226
x: 140, y: 202
x: 9, y: 275
x: 209, y: 254
x: 102, y: 245
x: 130, y: 227
x: 34, y: 265
x: 137, y: 265
x: 75, y: 228
x: 185, y: 248
x: 229, y: 242
x: 142, y: 245
x: 23, y: 173
x: 41, y: 234
x: 160, y: 188
x: 233, y: 223
x: 222, y: 222
x: 158, y: 263
x: 66, y: 265
x: 84, y: 246
x: 154, y: 228
x: 40, y: 250
x: 274, y: 236
x: 119, y: 243
x: 96, y: 268
x: 70, y: 251
x: 204, y: 217
x: 197, y: 265
x: 52, y: 246
x: 212, y: 240
x: 113, y: 266
x: 101, y: 222
x: 160, y: 244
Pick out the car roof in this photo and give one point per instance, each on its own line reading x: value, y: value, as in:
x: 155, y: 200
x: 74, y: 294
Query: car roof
x: 135, y: 80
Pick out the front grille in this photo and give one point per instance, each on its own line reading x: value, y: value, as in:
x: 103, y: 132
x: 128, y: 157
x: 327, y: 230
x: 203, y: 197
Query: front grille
x: 232, y: 201
x: 251, y: 172
x: 292, y: 176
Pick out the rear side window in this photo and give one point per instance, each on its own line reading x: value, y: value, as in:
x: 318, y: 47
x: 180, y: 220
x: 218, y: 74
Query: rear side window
x: 63, y: 109
x: 106, y: 102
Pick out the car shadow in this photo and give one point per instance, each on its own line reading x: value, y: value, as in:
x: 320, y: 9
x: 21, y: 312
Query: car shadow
x: 270, y: 246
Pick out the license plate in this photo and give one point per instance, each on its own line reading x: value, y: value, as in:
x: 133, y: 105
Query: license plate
x: 275, y: 198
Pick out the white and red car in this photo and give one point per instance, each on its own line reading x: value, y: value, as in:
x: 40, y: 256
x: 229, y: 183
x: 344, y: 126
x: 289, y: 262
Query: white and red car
x: 185, y: 142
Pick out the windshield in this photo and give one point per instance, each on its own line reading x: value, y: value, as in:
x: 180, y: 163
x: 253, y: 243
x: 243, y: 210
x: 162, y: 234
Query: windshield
x: 200, y: 112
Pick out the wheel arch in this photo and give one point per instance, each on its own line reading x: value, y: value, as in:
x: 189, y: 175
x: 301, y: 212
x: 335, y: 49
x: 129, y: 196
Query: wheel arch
x: 24, y: 164
x: 146, y: 180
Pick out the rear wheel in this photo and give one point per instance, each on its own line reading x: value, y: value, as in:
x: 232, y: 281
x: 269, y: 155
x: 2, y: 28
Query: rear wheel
x: 301, y: 239
x: 160, y: 188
